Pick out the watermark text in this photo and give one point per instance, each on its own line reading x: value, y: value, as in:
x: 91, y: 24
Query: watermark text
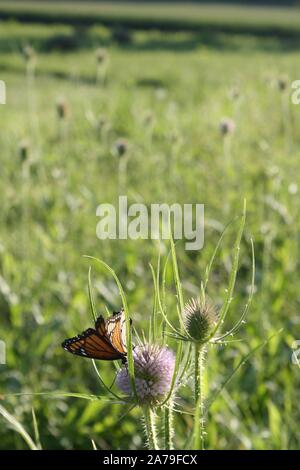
x: 138, y: 221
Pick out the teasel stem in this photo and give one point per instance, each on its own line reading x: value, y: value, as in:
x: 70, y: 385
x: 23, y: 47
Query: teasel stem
x: 32, y: 101
x: 122, y: 173
x: 227, y: 155
x: 149, y: 416
x: 286, y: 121
x: 168, y: 426
x: 100, y: 75
x: 199, y: 397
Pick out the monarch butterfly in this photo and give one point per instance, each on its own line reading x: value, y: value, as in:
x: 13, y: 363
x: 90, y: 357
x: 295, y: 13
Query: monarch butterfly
x: 105, y: 342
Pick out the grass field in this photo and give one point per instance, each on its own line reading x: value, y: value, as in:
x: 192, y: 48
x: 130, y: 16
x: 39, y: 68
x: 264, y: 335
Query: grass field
x: 166, y: 93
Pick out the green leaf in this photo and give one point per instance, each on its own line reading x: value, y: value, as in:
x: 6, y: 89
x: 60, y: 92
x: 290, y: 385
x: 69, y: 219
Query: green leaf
x: 56, y: 395
x: 36, y: 429
x: 233, y: 275
x: 275, y: 423
x: 18, y: 427
x: 180, y: 309
x: 247, y: 306
x: 240, y: 364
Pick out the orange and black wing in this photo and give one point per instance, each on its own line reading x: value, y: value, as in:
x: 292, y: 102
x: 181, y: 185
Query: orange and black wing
x: 93, y: 344
x: 115, y: 327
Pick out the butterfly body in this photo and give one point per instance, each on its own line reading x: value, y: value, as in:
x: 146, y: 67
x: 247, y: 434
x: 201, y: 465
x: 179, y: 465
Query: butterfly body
x: 106, y: 342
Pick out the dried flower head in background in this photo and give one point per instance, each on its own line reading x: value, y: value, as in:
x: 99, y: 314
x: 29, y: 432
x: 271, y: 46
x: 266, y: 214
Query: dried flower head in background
x: 29, y: 54
x: 227, y: 126
x: 62, y: 109
x: 101, y: 55
x: 102, y: 123
x: 148, y: 118
x: 153, y: 367
x: 234, y: 93
x: 24, y: 150
x: 282, y: 83
x: 120, y: 147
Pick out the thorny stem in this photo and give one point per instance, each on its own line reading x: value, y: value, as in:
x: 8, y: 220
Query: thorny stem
x: 168, y: 426
x: 149, y: 416
x: 199, y: 397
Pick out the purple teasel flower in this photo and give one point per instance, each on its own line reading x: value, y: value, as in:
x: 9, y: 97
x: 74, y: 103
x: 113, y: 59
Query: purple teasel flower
x: 153, y: 367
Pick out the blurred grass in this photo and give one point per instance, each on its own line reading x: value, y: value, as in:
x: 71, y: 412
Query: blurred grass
x: 48, y: 222
x: 231, y: 18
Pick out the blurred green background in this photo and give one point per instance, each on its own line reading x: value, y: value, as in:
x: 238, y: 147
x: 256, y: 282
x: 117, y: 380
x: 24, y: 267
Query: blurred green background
x: 170, y: 73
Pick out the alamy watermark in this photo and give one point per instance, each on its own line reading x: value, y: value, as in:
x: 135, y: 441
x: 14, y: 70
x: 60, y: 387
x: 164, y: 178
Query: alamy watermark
x: 2, y: 352
x: 2, y: 92
x: 139, y: 221
x: 296, y: 352
x: 296, y: 93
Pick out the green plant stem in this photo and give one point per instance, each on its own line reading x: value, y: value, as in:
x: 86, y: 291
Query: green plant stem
x: 199, y: 397
x: 286, y: 120
x: 122, y: 173
x: 150, y: 428
x: 168, y: 426
x: 18, y: 427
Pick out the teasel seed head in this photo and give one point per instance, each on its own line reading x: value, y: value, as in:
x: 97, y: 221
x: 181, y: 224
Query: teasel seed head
x: 200, y: 318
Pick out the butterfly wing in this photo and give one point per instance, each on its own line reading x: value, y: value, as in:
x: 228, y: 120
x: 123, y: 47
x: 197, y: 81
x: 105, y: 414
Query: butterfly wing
x: 116, y: 331
x: 93, y: 344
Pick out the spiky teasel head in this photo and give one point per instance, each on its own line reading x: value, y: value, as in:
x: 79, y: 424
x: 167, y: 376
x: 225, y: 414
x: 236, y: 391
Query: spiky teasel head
x: 62, y: 109
x: 153, y: 368
x: 200, y: 318
x: 227, y: 126
x: 120, y: 147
